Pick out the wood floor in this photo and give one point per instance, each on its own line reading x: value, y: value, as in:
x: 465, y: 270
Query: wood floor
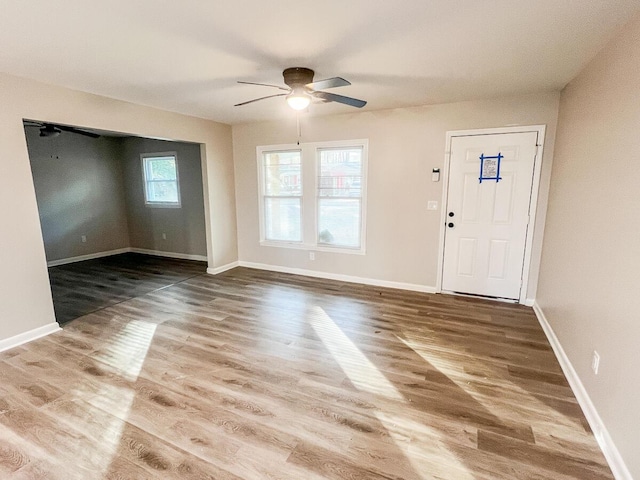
x: 258, y: 375
x: 84, y: 287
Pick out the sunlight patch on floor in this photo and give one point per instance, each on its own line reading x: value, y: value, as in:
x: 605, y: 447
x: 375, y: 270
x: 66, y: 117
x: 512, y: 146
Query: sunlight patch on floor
x: 401, y: 429
x: 127, y: 351
x: 125, y: 354
x: 362, y: 373
x: 488, y: 402
x: 106, y: 413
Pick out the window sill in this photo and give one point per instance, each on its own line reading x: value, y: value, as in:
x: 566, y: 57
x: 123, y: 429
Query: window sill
x: 163, y: 205
x: 312, y: 248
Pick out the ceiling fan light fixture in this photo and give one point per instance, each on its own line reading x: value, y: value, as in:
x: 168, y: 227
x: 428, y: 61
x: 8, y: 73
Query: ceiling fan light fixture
x: 298, y: 99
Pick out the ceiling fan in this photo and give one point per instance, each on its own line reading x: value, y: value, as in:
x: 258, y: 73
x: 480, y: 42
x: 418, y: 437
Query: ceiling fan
x: 49, y: 130
x: 301, y: 89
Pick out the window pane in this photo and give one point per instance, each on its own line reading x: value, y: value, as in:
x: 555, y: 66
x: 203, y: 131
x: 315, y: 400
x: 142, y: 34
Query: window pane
x: 162, y: 192
x: 282, y: 173
x: 282, y: 219
x: 339, y: 222
x: 340, y: 172
x: 161, y: 168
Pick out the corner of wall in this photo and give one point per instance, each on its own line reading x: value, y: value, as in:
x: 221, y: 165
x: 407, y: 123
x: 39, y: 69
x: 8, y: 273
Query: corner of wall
x: 609, y: 449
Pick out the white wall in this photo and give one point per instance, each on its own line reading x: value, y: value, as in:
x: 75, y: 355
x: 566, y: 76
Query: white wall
x: 404, y: 145
x: 25, y: 297
x: 590, y: 273
x: 80, y: 191
x: 184, y: 227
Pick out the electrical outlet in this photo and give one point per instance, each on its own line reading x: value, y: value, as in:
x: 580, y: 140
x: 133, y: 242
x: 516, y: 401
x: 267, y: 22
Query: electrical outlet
x: 83, y: 238
x: 432, y: 205
x: 595, y: 362
x: 164, y: 236
x: 312, y: 255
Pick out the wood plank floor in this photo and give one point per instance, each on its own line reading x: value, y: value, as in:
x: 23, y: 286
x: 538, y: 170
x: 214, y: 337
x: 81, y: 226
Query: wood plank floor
x: 84, y: 287
x: 258, y: 375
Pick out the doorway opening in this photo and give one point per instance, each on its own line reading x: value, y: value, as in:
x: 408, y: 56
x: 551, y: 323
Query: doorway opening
x: 108, y: 195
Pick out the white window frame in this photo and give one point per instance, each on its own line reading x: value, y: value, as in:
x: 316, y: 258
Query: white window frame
x: 143, y: 160
x: 310, y: 201
x: 262, y: 194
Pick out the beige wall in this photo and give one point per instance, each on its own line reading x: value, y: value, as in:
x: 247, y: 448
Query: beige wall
x: 590, y: 273
x: 404, y: 145
x: 25, y: 297
x: 79, y: 188
x: 183, y: 227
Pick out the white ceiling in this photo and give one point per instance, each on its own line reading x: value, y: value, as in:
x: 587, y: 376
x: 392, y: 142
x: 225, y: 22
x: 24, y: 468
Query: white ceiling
x: 186, y: 56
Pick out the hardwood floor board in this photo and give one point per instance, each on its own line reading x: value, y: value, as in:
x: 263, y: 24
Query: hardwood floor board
x: 575, y: 446
x: 332, y: 466
x: 44, y: 433
x: 414, y: 423
x: 12, y: 457
x: 64, y: 377
x: 537, y: 375
x: 438, y: 353
x: 115, y: 427
x: 289, y: 413
x: 27, y: 387
x: 487, y: 466
x: 154, y: 402
x: 540, y: 457
x: 7, y: 354
x: 262, y: 466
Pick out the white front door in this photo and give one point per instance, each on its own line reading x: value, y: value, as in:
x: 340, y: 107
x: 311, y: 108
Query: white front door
x: 487, y: 213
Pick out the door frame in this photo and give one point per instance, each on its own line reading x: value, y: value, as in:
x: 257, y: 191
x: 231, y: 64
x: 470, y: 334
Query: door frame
x: 533, y: 203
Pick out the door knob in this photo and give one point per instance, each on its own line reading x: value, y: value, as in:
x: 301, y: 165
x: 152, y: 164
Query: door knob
x: 451, y: 214
x: 450, y: 225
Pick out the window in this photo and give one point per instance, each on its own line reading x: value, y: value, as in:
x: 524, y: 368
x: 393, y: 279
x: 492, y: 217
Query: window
x: 339, y: 196
x: 282, y: 198
x: 313, y: 195
x: 161, y: 185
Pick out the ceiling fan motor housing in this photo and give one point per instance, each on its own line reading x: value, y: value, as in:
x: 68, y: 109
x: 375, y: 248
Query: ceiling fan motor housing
x: 297, y: 76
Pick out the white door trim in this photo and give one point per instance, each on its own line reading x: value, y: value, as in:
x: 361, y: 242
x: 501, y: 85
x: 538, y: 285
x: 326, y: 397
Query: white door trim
x: 533, y: 205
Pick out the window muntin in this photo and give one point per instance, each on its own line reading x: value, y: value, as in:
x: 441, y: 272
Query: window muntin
x: 161, y: 185
x: 282, y: 195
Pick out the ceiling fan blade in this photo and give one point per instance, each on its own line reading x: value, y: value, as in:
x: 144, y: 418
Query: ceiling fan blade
x: 264, y: 85
x: 261, y: 98
x: 332, y: 97
x: 78, y: 131
x: 328, y: 83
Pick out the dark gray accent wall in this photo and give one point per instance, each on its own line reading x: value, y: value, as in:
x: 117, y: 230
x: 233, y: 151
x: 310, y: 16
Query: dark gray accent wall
x: 94, y: 188
x: 184, y: 227
x: 80, y: 192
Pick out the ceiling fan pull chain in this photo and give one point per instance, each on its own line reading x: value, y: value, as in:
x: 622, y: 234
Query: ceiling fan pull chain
x: 298, y: 126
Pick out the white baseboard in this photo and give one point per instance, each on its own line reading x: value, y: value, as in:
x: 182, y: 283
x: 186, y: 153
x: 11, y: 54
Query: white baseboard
x: 90, y: 256
x: 343, y: 278
x: 108, y: 253
x: 611, y: 453
x: 159, y: 253
x: 25, y: 337
x: 529, y: 302
x: 223, y: 268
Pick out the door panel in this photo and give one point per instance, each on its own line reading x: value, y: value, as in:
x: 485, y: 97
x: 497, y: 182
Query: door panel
x: 466, y: 256
x: 484, y: 249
